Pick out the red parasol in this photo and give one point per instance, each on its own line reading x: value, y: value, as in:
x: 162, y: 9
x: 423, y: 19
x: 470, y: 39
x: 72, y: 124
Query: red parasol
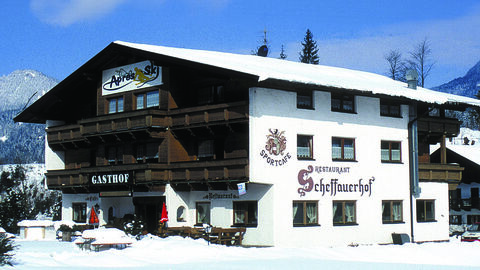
x: 164, y: 214
x: 93, y: 217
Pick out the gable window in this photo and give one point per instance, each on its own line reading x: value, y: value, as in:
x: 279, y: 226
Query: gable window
x: 344, y: 213
x: 305, y: 99
x: 115, y: 105
x: 148, y: 100
x: 305, y: 213
x: 245, y: 213
x: 343, y: 103
x: 79, y: 212
x: 425, y: 210
x: 389, y: 108
x: 203, y: 213
x: 343, y: 149
x: 304, y: 147
x: 391, y: 151
x: 392, y: 212
x: 210, y: 94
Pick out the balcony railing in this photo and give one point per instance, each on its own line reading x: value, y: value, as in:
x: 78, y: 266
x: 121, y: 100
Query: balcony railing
x: 148, y: 173
x: 436, y: 125
x: 137, y: 121
x: 432, y: 172
x: 464, y: 204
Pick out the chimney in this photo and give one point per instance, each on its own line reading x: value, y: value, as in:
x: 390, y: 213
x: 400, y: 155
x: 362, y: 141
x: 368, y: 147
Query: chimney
x: 412, y: 77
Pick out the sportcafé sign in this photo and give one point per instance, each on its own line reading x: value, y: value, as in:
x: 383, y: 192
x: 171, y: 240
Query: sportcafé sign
x: 111, y: 179
x: 131, y: 77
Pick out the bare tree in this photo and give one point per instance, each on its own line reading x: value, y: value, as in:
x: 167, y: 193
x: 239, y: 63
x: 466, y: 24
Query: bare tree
x: 420, y: 60
x: 396, y: 65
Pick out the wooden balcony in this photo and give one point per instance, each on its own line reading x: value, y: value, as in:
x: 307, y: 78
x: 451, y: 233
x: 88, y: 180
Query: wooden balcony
x: 432, y: 172
x: 437, y: 126
x: 145, y: 174
x: 209, y: 115
x: 151, y: 123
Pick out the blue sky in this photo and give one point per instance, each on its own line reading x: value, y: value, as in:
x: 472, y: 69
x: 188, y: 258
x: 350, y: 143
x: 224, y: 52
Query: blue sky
x: 57, y: 36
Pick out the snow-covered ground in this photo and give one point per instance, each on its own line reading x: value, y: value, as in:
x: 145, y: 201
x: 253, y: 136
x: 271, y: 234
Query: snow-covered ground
x: 184, y: 253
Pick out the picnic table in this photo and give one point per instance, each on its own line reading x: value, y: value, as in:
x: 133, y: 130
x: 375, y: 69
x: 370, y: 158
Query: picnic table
x: 103, y: 238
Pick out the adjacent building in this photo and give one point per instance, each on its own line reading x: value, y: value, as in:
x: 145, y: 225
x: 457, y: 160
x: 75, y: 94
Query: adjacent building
x: 327, y: 156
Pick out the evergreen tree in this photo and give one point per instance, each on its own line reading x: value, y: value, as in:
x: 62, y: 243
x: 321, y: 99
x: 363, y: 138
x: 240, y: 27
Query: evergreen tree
x: 22, y: 199
x: 6, y: 250
x: 309, y: 53
x: 283, y: 56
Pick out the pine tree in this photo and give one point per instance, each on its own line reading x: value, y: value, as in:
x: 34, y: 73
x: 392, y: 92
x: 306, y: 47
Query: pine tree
x: 283, y: 56
x: 6, y: 250
x: 309, y: 53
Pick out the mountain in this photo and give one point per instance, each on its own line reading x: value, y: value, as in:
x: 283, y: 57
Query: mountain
x: 463, y: 86
x: 21, y: 142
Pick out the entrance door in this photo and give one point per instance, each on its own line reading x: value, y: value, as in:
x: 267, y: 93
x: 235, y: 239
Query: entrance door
x: 149, y: 210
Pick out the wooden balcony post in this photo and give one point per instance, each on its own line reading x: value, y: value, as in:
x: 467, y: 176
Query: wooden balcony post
x: 443, y: 151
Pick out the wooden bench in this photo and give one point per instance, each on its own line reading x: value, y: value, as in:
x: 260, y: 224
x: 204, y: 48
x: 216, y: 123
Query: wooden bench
x: 222, y: 236
x: 227, y: 236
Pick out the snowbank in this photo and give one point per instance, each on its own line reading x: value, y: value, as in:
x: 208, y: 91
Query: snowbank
x: 184, y: 253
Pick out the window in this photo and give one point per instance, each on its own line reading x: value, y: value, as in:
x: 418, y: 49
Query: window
x: 391, y: 151
x: 425, y: 210
x: 389, y: 108
x: 344, y: 213
x: 181, y: 214
x: 455, y: 220
x: 392, y: 211
x: 245, y: 213
x: 304, y: 147
x: 473, y: 219
x: 305, y: 213
x: 115, y: 155
x: 147, y: 153
x: 211, y: 94
x: 343, y: 103
x: 343, y: 149
x: 206, y: 149
x: 305, y: 99
x: 115, y: 105
x: 148, y: 100
x: 203, y: 213
x: 79, y: 212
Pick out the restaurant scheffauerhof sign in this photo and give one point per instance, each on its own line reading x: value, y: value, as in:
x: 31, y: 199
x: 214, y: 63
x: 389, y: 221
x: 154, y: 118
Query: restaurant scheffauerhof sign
x: 111, y: 179
x: 334, y: 185
x: 131, y: 77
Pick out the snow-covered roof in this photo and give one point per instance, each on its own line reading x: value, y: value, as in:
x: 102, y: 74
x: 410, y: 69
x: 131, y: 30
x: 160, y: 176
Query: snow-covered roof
x: 325, y: 76
x: 470, y: 151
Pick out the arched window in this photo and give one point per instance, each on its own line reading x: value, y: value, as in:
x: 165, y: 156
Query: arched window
x: 181, y: 214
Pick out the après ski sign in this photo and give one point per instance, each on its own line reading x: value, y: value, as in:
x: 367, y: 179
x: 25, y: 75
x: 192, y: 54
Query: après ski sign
x: 131, y: 77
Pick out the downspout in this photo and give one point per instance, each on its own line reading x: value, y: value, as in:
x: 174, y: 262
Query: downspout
x: 412, y: 76
x: 413, y: 164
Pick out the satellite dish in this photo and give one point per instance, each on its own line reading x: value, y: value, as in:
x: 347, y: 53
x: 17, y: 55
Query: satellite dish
x: 263, y: 51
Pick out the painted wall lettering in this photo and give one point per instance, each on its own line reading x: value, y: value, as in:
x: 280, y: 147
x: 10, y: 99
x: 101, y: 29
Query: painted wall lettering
x: 216, y: 196
x: 333, y: 186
